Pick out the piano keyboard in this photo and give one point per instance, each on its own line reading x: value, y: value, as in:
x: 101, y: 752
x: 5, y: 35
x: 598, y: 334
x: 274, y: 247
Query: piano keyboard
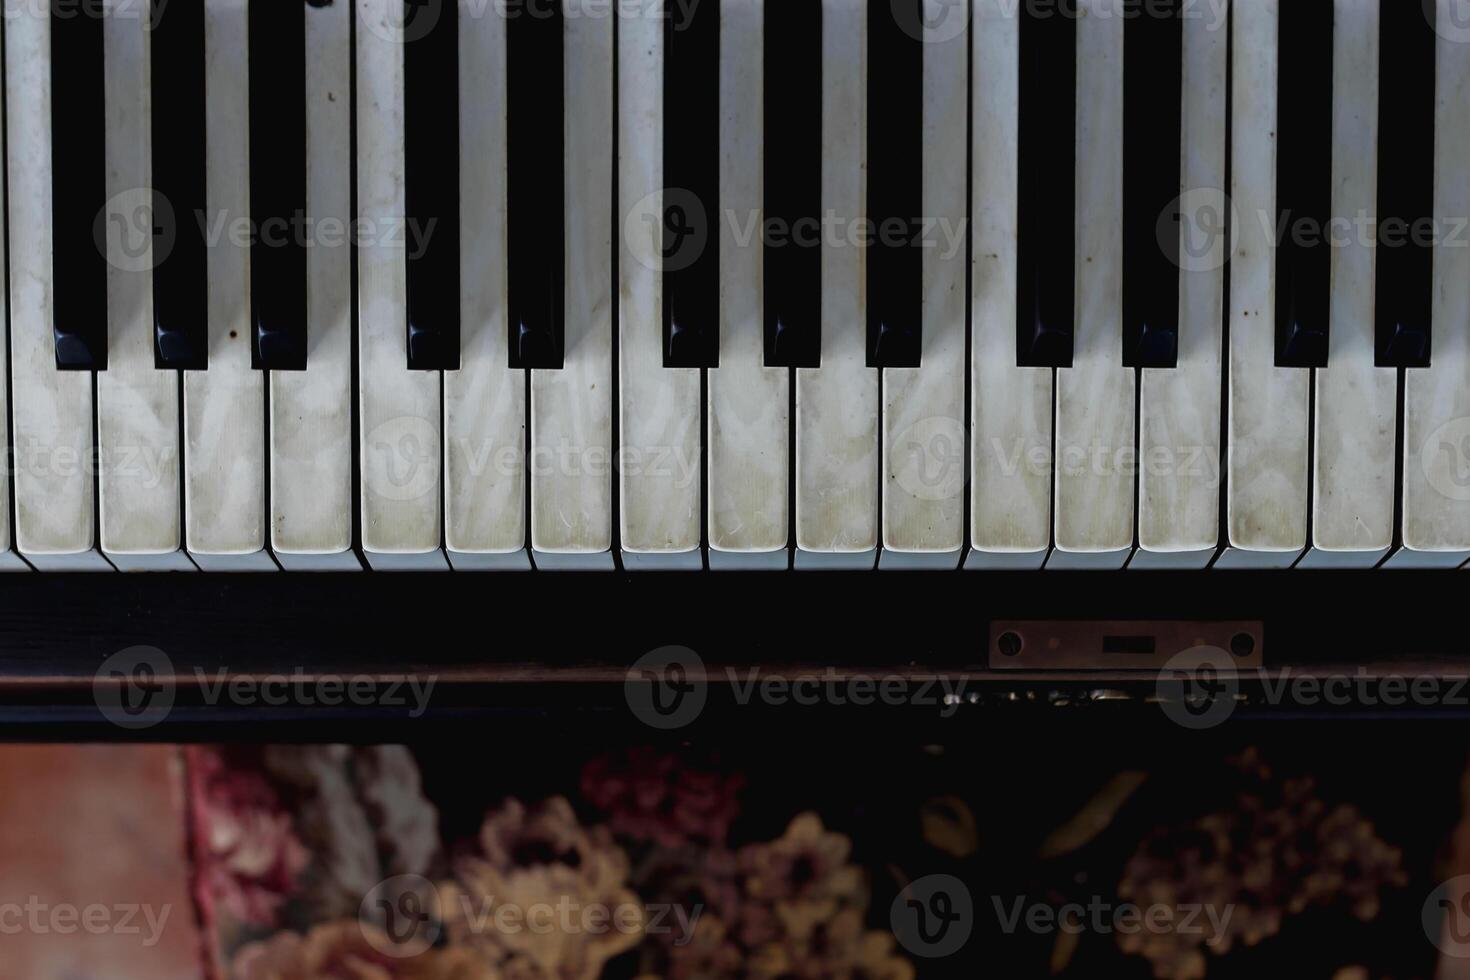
x: 736, y: 284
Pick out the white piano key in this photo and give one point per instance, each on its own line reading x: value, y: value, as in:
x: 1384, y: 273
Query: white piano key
x: 484, y: 401
x: 659, y: 418
x: 1095, y: 396
x: 398, y: 408
x: 838, y: 404
x: 1355, y: 415
x: 1436, y: 466
x: 137, y: 405
x: 1179, y: 409
x: 1267, y: 462
x: 311, y: 410
x: 1010, y: 406
x: 51, y: 410
x: 571, y: 409
x: 224, y: 407
x: 9, y: 560
x: 749, y: 404
x: 924, y: 407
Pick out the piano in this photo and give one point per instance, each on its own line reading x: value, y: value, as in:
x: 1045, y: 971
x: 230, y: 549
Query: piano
x: 1108, y: 309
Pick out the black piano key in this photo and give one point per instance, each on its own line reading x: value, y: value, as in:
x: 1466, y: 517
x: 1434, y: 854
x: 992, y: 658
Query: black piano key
x: 278, y: 185
x: 79, y: 186
x: 1304, y: 183
x: 691, y: 244
x: 535, y: 205
x: 1405, y: 259
x: 431, y: 156
x: 792, y: 256
x: 1046, y: 186
x: 895, y: 266
x: 180, y: 273
x: 1153, y: 60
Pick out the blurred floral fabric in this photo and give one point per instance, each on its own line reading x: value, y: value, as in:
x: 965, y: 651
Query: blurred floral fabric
x: 309, y: 859
x: 333, y: 863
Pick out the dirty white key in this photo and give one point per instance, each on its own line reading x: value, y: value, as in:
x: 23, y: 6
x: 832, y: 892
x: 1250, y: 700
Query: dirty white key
x: 52, y: 410
x: 137, y: 405
x: 749, y: 433
x: 659, y: 407
x: 1267, y: 464
x: 1095, y: 396
x: 1436, y: 467
x: 9, y: 560
x: 224, y: 407
x: 571, y: 409
x: 1010, y: 406
x: 311, y: 410
x: 484, y: 401
x: 398, y: 408
x: 838, y: 404
x: 924, y: 407
x: 1179, y: 409
x: 1355, y: 415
